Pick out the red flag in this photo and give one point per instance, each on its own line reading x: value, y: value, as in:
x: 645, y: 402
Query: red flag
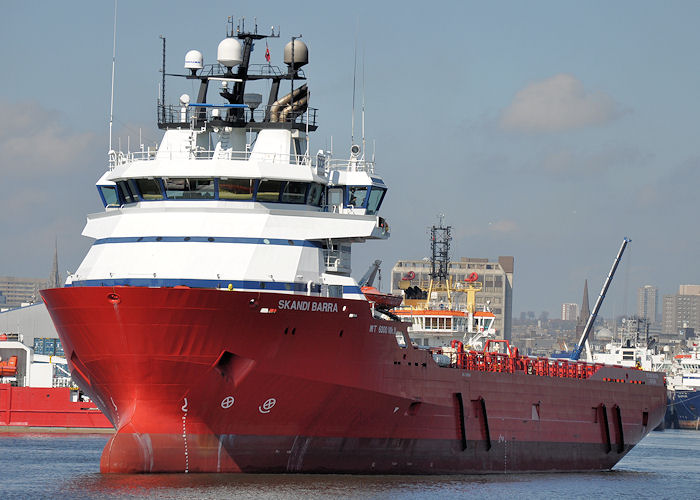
x: 267, y: 52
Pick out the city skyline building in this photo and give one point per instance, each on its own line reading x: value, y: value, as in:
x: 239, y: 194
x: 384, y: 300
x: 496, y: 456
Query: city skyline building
x: 689, y: 289
x: 681, y: 310
x: 19, y: 291
x: 648, y: 303
x: 569, y: 311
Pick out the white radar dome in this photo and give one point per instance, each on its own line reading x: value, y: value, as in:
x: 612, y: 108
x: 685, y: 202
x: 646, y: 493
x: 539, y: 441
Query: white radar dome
x: 301, y: 54
x: 229, y: 53
x: 194, y: 60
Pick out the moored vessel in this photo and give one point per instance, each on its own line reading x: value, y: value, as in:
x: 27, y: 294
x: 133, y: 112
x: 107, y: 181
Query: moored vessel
x: 37, y: 393
x: 684, y: 391
x: 216, y: 324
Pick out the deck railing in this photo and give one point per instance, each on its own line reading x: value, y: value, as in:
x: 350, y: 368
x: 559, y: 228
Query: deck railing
x: 512, y: 362
x: 186, y: 116
x: 117, y: 158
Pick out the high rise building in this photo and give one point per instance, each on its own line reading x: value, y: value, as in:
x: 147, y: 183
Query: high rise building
x: 569, y: 311
x: 689, y: 290
x: 681, y: 310
x: 648, y: 303
x: 496, y: 277
x: 14, y: 292
x: 18, y: 291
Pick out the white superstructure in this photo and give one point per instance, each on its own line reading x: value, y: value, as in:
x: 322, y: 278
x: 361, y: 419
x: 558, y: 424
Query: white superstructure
x: 232, y: 198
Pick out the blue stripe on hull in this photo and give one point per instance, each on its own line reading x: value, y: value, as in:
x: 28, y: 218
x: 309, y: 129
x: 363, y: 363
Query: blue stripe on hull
x: 207, y: 239
x: 200, y: 283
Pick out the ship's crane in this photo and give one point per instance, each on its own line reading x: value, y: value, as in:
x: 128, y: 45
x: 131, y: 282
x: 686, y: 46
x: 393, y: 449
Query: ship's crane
x: 371, y: 273
x: 471, y: 287
x: 594, y: 313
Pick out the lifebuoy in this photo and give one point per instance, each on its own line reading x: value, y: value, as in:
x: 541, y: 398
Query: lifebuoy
x: 472, y: 278
x: 409, y: 275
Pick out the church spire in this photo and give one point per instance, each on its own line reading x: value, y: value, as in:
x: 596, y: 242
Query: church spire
x: 585, y: 311
x: 55, y: 279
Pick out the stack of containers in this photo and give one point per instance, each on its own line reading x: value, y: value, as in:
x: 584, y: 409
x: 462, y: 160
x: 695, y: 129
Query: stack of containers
x: 48, y: 347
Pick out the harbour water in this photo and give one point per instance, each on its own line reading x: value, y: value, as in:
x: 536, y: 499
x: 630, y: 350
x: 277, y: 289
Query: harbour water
x: 664, y: 465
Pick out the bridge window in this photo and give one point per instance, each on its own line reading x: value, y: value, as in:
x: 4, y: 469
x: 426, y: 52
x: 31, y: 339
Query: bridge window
x: 109, y: 195
x: 189, y: 188
x: 315, y: 192
x: 357, y: 196
x: 269, y: 190
x: 294, y: 192
x: 125, y: 192
x: 149, y: 189
x: 236, y: 189
x: 335, y: 198
x: 376, y: 195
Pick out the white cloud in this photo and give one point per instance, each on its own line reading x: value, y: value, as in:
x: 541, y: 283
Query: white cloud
x: 556, y: 104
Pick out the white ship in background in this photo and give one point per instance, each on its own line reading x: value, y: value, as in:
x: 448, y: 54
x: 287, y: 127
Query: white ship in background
x: 634, y: 349
x: 443, y: 310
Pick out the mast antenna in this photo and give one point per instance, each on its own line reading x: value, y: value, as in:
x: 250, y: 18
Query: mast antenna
x: 114, y: 57
x: 354, y: 76
x: 363, y: 103
x: 162, y: 87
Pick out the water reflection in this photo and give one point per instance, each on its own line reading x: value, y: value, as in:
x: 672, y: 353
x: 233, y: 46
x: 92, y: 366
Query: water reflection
x: 298, y: 486
x: 54, y: 466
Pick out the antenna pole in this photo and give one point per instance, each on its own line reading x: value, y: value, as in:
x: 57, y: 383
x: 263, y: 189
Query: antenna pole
x: 363, y: 103
x: 114, y: 57
x: 162, y: 87
x: 308, y: 104
x: 291, y: 92
x: 354, y: 75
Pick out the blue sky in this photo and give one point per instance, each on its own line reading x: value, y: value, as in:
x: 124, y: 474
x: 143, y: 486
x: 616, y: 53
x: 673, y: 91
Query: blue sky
x: 542, y: 130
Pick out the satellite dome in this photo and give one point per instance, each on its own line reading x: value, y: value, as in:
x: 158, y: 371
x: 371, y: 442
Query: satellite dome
x: 194, y: 60
x: 301, y: 54
x: 229, y: 53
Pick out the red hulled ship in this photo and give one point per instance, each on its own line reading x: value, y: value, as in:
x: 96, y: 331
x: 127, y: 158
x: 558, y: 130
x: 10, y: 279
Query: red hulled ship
x: 215, y: 323
x: 37, y: 393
